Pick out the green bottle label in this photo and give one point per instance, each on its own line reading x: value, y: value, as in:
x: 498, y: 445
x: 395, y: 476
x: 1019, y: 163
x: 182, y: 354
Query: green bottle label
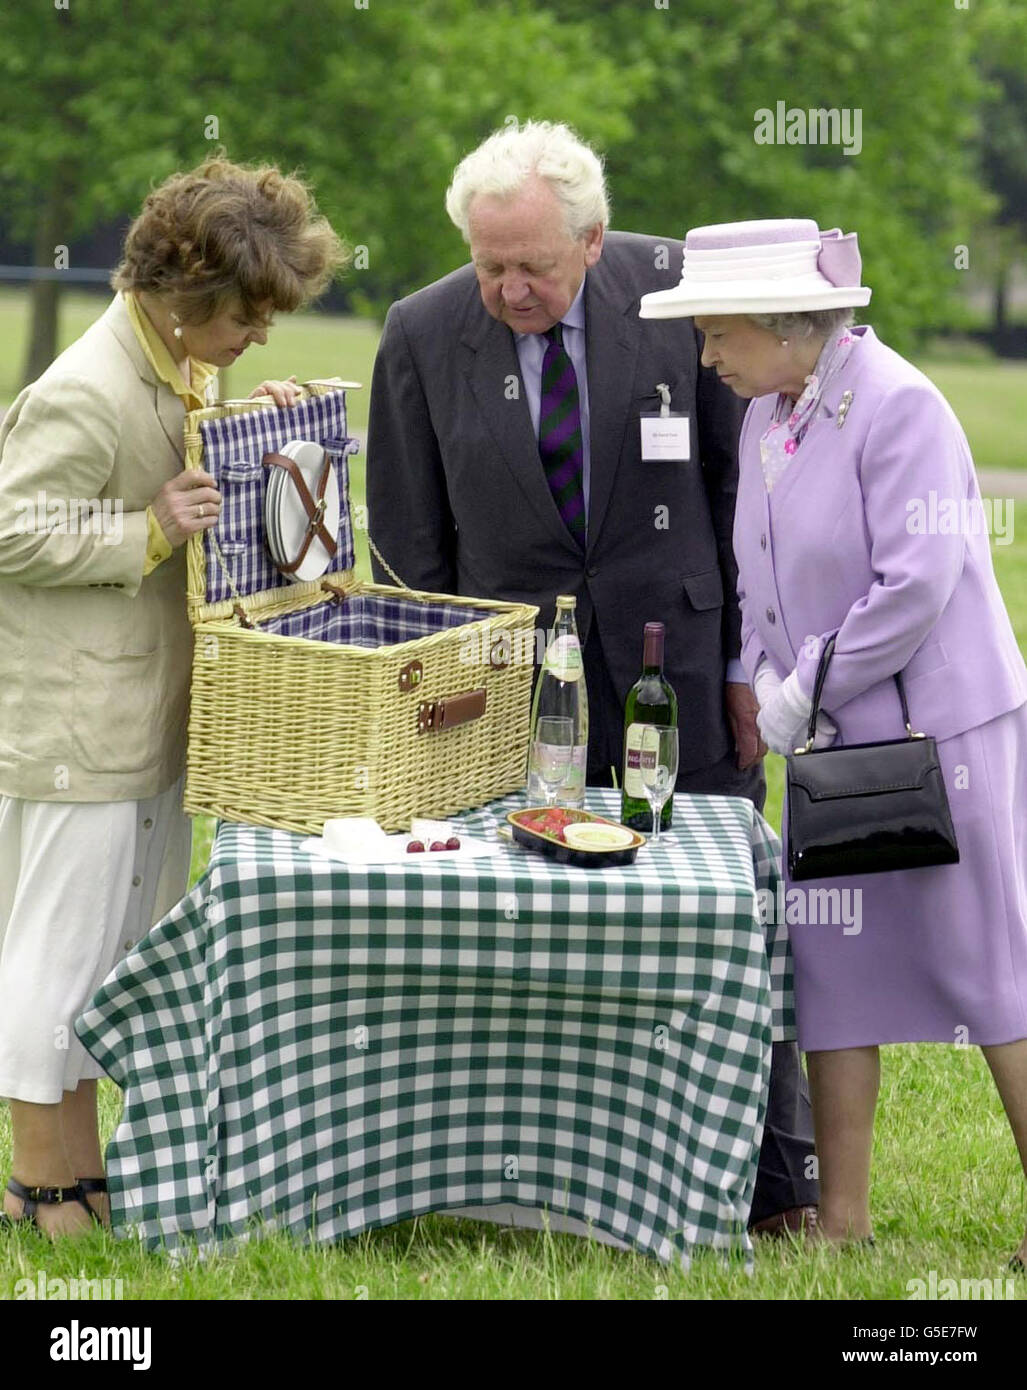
x: 563, y: 658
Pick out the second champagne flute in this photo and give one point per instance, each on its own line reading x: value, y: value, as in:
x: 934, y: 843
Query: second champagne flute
x: 658, y: 767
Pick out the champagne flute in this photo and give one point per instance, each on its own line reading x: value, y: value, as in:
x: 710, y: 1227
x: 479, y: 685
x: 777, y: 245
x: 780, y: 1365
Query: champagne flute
x: 658, y: 758
x: 551, y: 753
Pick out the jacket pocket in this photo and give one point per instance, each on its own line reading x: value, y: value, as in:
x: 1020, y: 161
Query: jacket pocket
x: 704, y: 590
x: 119, y: 716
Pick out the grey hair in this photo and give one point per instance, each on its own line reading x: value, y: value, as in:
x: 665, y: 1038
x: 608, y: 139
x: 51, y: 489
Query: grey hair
x: 806, y: 323
x: 501, y: 166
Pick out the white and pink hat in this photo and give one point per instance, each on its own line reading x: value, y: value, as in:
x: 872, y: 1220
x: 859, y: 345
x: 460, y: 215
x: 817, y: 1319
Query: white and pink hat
x: 772, y: 266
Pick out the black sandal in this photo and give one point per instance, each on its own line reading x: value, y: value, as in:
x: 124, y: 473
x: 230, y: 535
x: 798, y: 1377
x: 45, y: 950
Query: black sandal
x: 93, y: 1185
x: 31, y: 1197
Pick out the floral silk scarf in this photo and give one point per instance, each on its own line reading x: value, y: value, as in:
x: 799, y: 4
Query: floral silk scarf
x: 788, y: 427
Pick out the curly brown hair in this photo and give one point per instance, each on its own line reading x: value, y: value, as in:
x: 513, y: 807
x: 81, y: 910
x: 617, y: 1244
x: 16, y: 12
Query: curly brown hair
x: 224, y: 232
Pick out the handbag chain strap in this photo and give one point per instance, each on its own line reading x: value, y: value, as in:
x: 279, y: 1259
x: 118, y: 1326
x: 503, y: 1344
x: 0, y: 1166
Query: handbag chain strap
x: 818, y: 688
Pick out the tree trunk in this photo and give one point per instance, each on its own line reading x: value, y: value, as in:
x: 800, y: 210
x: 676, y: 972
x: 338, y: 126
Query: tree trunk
x: 44, y: 295
x: 1000, y: 310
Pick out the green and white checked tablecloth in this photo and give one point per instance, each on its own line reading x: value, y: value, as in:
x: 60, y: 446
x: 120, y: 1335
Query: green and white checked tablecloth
x: 325, y: 1048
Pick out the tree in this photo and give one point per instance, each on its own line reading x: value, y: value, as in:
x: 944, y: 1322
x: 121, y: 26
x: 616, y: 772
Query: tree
x: 1003, y: 147
x: 89, y: 97
x: 378, y: 106
x: 907, y: 70
x: 374, y: 105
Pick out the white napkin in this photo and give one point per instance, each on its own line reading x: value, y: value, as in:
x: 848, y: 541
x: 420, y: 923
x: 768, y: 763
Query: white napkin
x: 352, y: 840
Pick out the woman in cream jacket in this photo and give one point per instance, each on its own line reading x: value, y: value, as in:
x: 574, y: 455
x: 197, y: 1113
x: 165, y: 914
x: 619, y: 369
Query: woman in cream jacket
x: 95, y: 646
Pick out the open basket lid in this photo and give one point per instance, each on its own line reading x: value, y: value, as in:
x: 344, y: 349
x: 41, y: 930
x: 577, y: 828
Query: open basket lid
x: 243, y: 444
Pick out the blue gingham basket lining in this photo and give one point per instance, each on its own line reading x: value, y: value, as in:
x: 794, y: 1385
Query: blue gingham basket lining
x: 233, y: 452
x: 373, y: 620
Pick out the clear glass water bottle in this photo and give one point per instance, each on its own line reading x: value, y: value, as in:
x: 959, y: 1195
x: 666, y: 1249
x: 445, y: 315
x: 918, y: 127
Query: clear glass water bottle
x: 561, y: 692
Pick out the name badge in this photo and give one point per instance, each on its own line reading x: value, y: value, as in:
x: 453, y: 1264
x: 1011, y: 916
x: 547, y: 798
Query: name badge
x: 666, y: 438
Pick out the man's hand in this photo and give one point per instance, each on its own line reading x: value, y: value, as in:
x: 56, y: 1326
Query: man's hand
x: 285, y: 393
x: 187, y: 504
x: 741, y: 707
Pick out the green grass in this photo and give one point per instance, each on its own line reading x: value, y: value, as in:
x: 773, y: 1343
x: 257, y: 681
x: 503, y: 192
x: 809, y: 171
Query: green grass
x: 947, y: 1195
x: 988, y: 398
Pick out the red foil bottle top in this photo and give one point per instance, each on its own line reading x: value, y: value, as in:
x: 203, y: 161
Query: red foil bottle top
x: 652, y: 652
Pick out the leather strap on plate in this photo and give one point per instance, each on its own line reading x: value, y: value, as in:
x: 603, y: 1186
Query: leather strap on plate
x: 436, y: 716
x: 315, y: 509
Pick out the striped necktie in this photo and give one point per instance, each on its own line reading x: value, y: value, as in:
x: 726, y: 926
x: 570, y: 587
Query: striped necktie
x: 559, y: 434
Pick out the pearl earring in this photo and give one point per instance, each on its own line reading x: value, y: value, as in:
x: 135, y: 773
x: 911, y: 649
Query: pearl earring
x: 784, y: 342
x: 178, y: 330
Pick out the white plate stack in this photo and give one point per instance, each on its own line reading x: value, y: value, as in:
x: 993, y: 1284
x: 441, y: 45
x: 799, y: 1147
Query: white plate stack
x: 285, y: 518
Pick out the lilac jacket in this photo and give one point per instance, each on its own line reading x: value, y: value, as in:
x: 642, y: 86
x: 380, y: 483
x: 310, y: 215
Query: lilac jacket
x: 835, y: 547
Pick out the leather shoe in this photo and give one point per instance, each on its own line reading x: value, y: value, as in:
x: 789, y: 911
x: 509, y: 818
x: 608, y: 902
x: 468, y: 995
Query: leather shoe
x: 783, y: 1223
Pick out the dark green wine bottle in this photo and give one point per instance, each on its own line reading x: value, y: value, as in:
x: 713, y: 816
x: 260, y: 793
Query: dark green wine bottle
x: 650, y: 701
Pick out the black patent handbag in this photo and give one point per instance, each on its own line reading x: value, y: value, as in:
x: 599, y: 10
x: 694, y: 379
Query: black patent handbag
x: 866, y: 808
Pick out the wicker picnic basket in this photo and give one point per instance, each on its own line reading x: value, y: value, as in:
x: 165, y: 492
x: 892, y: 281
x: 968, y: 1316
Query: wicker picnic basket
x: 335, y: 697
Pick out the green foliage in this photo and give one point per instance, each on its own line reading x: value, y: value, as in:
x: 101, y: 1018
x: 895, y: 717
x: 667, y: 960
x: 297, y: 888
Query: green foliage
x: 90, y: 108
x: 1003, y: 128
x: 377, y: 105
x: 908, y: 69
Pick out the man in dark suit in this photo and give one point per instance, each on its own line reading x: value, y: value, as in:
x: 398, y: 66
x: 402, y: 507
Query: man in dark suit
x: 506, y: 460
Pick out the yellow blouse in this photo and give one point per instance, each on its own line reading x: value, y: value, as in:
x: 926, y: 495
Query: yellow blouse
x: 194, y: 395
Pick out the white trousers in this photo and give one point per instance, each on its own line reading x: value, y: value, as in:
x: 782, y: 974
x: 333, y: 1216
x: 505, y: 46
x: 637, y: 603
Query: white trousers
x: 80, y: 883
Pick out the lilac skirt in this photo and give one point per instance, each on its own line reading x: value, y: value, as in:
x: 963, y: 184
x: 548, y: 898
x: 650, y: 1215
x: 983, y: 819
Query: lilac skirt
x: 928, y: 955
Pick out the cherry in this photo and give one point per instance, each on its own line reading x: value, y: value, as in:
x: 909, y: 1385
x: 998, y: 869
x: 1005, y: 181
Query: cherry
x: 415, y: 847
x: 453, y: 842
x: 437, y: 845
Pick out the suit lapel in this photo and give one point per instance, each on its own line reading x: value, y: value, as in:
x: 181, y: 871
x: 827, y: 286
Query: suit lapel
x: 171, y: 414
x: 490, y: 363
x: 612, y: 340
x: 169, y: 409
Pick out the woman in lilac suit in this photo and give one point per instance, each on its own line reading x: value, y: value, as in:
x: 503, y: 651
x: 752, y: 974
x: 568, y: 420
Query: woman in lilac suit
x: 859, y: 514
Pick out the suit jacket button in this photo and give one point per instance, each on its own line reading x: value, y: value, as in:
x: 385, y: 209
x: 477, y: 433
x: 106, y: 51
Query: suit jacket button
x: 763, y: 541
x: 771, y: 616
x: 592, y: 571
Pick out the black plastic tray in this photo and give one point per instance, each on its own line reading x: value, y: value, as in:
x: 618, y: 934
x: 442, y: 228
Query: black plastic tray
x: 565, y: 854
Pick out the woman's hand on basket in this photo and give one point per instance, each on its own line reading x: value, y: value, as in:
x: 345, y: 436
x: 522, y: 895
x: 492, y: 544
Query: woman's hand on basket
x: 188, y: 503
x: 285, y: 393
